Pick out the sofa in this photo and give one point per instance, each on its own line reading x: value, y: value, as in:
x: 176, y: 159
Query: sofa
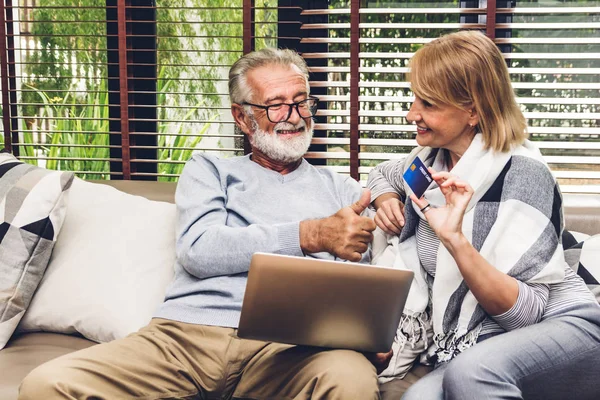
x: 40, y: 338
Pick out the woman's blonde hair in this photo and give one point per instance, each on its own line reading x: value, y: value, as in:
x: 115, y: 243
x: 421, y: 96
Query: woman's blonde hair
x: 466, y: 70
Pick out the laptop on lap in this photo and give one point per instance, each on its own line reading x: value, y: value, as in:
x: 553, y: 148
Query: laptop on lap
x: 307, y: 301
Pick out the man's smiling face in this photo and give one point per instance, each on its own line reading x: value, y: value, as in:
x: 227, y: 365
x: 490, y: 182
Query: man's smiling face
x: 280, y: 141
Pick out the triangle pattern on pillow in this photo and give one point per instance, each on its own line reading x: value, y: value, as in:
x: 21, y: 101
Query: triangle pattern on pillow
x: 4, y: 168
x: 584, y: 258
x: 30, y: 217
x: 3, y: 229
x: 578, y: 245
x: 568, y: 240
x: 588, y: 278
x: 43, y: 228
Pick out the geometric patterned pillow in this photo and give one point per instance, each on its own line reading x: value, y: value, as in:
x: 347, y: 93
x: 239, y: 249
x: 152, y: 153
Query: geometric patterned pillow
x: 32, y: 210
x: 584, y: 258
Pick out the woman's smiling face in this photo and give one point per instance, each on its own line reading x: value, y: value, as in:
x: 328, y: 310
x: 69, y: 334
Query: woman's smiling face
x: 442, y: 126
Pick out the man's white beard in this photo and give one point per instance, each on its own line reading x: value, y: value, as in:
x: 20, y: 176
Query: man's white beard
x: 282, y: 149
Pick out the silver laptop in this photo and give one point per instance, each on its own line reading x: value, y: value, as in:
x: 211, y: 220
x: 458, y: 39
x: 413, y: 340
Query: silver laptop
x: 306, y: 301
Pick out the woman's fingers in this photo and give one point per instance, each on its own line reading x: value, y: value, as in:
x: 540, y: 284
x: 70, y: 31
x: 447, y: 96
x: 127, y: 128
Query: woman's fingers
x: 449, y: 185
x: 390, y: 217
x: 456, y: 191
x: 454, y: 183
x: 393, y: 210
x: 422, y: 202
x: 464, y: 185
x: 383, y: 222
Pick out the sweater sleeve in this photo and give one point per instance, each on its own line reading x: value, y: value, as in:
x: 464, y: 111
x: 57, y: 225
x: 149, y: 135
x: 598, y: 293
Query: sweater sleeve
x: 387, y: 178
x: 529, y: 308
x: 206, y: 246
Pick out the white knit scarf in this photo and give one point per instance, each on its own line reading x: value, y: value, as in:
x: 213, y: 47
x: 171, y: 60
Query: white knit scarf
x: 514, y: 220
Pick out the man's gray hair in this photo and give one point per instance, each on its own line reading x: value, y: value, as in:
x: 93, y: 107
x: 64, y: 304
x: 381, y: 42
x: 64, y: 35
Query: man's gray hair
x: 239, y: 91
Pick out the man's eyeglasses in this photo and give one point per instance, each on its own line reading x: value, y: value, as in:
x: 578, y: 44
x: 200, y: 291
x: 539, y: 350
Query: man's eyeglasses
x: 281, y: 112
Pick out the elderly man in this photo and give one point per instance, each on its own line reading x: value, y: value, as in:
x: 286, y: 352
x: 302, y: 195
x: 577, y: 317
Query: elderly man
x: 270, y: 201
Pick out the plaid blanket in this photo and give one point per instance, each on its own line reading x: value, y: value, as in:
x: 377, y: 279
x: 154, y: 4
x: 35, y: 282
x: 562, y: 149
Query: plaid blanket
x: 514, y: 220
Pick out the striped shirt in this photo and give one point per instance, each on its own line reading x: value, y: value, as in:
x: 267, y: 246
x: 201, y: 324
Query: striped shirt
x: 535, y: 301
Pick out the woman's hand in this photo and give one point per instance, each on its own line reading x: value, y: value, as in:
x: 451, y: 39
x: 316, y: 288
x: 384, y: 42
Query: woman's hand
x: 495, y: 291
x: 390, y: 213
x: 446, y: 221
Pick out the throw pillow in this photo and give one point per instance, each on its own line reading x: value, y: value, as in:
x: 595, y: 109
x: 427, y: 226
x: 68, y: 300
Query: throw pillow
x: 110, y: 268
x: 584, y: 258
x: 32, y: 210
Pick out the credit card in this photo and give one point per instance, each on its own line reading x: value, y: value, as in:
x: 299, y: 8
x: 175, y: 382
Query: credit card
x: 417, y: 177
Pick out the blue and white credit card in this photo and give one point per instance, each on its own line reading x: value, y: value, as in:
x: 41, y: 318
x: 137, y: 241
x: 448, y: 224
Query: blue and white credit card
x: 418, y: 177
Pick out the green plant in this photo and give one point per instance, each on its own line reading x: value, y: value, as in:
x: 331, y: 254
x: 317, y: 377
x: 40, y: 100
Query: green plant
x: 177, y: 151
x: 195, y: 42
x: 77, y: 134
x: 77, y: 137
x: 175, y: 148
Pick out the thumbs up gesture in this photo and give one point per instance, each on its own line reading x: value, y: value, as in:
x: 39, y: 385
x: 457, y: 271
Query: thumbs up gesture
x: 346, y: 234
x: 362, y: 203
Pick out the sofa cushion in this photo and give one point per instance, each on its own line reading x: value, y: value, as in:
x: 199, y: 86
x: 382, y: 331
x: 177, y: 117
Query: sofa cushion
x: 32, y: 210
x: 110, y: 267
x: 25, y: 352
x: 152, y: 190
x: 584, y: 257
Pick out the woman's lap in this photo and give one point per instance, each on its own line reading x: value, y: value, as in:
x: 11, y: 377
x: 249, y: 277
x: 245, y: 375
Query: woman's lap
x: 554, y: 359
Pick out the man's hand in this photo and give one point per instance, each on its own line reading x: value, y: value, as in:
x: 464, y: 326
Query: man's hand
x: 345, y: 234
x: 380, y: 360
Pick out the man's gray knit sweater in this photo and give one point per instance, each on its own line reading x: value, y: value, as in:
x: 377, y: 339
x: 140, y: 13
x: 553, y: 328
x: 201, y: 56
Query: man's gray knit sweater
x: 227, y: 209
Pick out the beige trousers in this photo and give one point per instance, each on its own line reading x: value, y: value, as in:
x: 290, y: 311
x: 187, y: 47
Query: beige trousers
x: 169, y: 359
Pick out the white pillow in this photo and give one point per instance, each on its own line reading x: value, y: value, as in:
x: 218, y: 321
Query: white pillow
x: 110, y: 266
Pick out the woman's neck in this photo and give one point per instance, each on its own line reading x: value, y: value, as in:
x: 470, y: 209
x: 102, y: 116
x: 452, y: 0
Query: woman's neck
x: 453, y: 159
x: 456, y: 151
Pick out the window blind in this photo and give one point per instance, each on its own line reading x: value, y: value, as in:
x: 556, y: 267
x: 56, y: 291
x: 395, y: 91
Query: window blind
x: 551, y: 51
x: 123, y: 89
x: 55, y: 84
x: 127, y: 89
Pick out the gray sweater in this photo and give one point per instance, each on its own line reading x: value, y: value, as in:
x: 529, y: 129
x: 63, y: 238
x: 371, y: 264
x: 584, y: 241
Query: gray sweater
x: 228, y: 209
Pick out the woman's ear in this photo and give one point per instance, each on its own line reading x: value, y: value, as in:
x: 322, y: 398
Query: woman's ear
x: 473, y: 117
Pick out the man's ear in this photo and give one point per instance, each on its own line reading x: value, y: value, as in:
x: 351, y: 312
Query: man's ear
x: 241, y: 119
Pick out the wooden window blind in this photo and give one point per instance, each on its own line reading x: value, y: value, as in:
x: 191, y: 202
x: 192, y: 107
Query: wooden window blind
x: 551, y: 51
x: 127, y: 89
x: 123, y: 89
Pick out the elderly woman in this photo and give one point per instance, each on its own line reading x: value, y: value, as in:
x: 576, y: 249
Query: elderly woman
x: 507, y: 318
